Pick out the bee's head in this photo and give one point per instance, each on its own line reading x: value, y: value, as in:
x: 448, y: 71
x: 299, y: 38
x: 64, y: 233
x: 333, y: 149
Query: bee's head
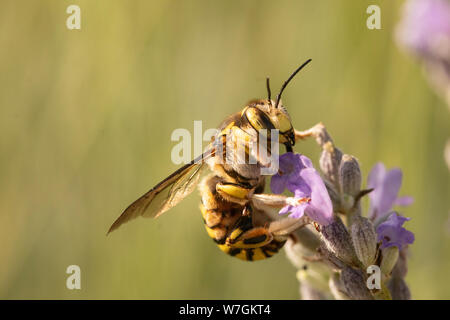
x: 262, y: 114
x: 269, y: 114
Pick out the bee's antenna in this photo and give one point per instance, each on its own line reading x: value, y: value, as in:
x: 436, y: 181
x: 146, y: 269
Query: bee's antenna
x: 269, y: 94
x: 289, y: 79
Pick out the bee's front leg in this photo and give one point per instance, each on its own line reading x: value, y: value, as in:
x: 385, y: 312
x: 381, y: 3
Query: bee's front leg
x: 318, y: 132
x: 234, y: 192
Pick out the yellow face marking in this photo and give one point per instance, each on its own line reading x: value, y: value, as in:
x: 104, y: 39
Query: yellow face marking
x: 284, y: 122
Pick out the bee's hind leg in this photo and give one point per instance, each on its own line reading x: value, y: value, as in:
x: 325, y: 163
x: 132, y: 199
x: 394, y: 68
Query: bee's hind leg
x: 246, y: 236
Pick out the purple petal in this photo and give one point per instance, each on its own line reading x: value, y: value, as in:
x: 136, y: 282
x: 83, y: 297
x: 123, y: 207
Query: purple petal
x: 302, y: 191
x: 390, y: 188
x: 407, y: 236
x: 320, y: 208
x: 288, y: 176
x: 391, y: 233
x: 423, y: 22
x: 289, y: 163
x: 307, y: 163
x: 404, y: 201
x: 285, y: 209
x: 376, y: 176
x: 277, y: 184
x: 296, y: 211
x: 386, y: 185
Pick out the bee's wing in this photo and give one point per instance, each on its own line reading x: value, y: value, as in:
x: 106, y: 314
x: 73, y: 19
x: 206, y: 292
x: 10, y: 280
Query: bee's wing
x: 166, y: 194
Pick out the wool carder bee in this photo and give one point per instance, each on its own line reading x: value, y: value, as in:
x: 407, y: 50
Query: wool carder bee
x: 234, y: 207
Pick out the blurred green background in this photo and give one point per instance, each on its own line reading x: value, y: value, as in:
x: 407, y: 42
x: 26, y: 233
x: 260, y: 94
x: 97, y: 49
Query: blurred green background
x: 87, y: 115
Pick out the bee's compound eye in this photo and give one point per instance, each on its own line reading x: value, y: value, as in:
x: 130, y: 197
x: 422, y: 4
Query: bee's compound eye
x: 258, y: 119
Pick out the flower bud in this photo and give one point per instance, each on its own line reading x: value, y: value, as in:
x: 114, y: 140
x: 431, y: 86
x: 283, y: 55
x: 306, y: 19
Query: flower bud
x: 399, y: 289
x: 401, y: 267
x: 296, y: 252
x: 347, y: 203
x: 355, y: 284
x: 383, y: 293
x: 338, y: 241
x: 330, y: 259
x: 364, y: 240
x: 390, y: 258
x: 302, y: 257
x: 337, y: 288
x: 334, y: 195
x: 309, y: 293
x: 330, y: 160
x: 349, y: 175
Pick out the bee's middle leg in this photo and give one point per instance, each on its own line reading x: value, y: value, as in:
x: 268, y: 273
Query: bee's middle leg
x: 264, y: 201
x: 243, y: 195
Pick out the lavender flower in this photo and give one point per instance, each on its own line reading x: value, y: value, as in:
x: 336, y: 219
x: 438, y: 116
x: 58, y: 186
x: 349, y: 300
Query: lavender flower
x: 391, y: 233
x: 425, y: 31
x: 344, y: 247
x: 423, y: 23
x: 288, y: 176
x: 386, y: 185
x: 310, y: 194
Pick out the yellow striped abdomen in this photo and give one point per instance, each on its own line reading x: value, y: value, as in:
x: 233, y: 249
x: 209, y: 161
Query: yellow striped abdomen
x: 225, y: 223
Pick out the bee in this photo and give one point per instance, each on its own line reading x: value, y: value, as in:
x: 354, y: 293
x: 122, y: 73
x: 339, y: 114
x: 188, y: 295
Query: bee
x: 235, y: 211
